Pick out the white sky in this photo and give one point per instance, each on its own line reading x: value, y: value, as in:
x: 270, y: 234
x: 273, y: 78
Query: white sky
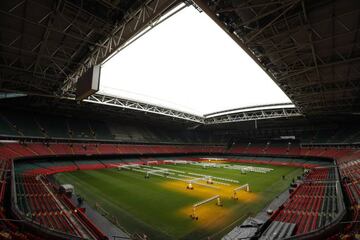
x: 190, y: 64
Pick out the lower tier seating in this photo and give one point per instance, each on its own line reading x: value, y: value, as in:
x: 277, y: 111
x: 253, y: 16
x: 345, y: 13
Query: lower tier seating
x: 38, y: 201
x: 322, y: 173
x: 316, y: 196
x: 349, y: 167
x: 310, y: 206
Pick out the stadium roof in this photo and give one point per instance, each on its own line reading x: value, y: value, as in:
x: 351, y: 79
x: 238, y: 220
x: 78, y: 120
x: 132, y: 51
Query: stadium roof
x: 46, y: 45
x: 309, y: 48
x: 180, y: 69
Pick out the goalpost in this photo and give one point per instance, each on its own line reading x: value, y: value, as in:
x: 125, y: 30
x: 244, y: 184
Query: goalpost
x: 245, y: 186
x: 218, y: 203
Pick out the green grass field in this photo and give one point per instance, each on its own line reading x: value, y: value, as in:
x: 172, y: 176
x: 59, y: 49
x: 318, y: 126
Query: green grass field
x: 161, y: 207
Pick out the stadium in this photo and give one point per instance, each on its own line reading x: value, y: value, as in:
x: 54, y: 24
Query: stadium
x: 78, y: 163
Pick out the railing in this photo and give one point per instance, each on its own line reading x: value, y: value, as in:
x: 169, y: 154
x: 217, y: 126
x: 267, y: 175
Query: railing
x: 333, y: 224
x: 29, y: 221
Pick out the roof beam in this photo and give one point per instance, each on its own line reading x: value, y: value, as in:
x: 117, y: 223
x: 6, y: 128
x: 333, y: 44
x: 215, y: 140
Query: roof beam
x: 145, y: 107
x: 243, y: 114
x: 254, y: 115
x: 133, y: 23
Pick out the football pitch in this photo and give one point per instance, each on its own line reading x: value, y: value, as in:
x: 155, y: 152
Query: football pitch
x: 160, y: 206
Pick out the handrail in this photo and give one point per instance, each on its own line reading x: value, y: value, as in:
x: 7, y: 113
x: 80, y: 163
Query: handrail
x: 333, y: 223
x: 29, y: 221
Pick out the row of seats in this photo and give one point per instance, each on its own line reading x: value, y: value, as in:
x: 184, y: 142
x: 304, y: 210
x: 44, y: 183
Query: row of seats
x: 3, y: 169
x: 311, y: 206
x: 68, y: 166
x: 294, y: 150
x: 339, y: 134
x: 312, y: 189
x: 38, y: 200
x: 349, y: 167
x: 15, y: 150
x: 9, y: 230
x: 46, y: 126
x: 305, y: 221
x: 321, y: 174
x: 22, y: 124
x: 276, y: 162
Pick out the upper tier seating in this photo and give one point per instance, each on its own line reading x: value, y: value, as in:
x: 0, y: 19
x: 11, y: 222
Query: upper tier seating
x: 54, y: 127
x: 24, y: 124
x: 16, y: 150
x: 100, y: 130
x: 80, y: 129
x: 6, y: 128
